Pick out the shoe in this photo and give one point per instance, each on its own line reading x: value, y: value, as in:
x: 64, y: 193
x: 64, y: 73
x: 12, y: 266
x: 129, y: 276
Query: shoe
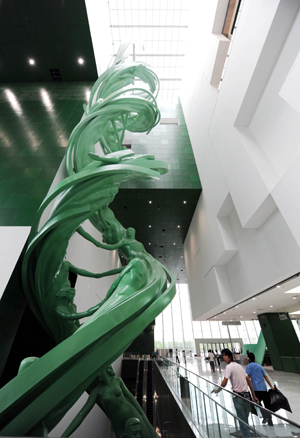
x: 265, y: 420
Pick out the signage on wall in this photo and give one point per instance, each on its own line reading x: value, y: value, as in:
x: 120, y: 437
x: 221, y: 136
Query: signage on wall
x: 231, y: 322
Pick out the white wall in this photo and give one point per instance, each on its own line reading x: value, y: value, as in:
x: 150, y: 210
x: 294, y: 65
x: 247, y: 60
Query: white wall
x: 244, y: 236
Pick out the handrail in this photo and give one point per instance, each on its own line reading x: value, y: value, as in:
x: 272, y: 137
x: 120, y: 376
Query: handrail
x: 217, y: 403
x: 231, y: 393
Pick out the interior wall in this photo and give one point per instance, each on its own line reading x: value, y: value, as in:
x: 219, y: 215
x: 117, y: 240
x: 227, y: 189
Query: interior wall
x: 244, y: 236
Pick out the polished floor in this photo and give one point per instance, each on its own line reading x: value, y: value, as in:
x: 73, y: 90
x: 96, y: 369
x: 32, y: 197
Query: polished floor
x: 287, y: 383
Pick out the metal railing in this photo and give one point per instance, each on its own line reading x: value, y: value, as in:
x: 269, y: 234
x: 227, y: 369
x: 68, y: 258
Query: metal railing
x: 214, y: 415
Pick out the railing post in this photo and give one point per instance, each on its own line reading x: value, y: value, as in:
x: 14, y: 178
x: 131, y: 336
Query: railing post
x: 196, y: 405
x: 205, y: 414
x: 220, y: 435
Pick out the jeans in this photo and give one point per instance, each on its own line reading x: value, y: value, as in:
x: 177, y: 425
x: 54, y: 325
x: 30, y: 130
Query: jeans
x: 242, y: 411
x: 212, y: 365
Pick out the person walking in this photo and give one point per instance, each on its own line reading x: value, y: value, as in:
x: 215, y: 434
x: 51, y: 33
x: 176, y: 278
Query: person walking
x: 177, y: 358
x: 258, y: 377
x: 217, y: 358
x: 212, y: 360
x: 239, y: 382
x: 184, y: 356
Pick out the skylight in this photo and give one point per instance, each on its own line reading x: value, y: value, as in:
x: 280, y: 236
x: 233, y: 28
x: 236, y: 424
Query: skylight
x: 160, y: 27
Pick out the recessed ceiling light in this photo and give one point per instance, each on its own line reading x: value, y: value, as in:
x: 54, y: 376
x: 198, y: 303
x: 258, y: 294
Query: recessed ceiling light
x: 178, y: 226
x: 241, y: 317
x: 271, y: 306
x: 253, y: 298
x: 236, y: 306
x: 149, y: 226
x: 80, y: 61
x: 150, y: 202
x: 31, y: 61
x: 294, y: 298
x: 278, y: 285
x: 254, y: 312
x: 174, y: 243
x: 184, y: 202
x: 149, y: 243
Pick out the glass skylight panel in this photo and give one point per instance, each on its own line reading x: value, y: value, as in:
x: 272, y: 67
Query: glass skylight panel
x: 162, y: 27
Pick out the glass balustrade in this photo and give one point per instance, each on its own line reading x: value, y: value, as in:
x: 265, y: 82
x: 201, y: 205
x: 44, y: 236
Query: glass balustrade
x: 214, y: 415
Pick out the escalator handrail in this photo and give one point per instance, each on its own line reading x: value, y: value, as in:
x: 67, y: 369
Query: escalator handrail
x: 231, y: 393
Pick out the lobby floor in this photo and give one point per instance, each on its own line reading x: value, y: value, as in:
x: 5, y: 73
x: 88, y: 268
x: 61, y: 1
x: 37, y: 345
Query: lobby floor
x: 287, y: 383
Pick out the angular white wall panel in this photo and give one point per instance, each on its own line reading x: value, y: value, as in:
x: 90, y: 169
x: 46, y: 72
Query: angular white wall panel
x: 246, y: 144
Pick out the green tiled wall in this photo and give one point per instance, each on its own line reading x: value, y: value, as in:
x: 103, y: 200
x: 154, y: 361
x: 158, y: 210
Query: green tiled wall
x: 36, y: 120
x: 170, y: 143
x: 35, y: 123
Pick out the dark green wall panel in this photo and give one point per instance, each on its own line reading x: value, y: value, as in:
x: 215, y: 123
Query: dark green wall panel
x: 282, y: 341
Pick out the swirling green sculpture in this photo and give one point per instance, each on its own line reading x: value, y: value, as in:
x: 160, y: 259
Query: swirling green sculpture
x: 45, y: 389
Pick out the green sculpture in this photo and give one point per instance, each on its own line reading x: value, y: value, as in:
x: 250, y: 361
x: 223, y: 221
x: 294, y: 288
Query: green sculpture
x: 118, y: 403
x: 46, y: 388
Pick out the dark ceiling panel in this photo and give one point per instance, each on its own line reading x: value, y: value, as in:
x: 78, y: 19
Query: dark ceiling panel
x: 53, y: 33
x: 161, y: 225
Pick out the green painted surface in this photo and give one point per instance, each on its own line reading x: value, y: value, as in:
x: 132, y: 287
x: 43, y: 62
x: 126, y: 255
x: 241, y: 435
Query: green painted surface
x: 282, y: 341
x: 258, y: 349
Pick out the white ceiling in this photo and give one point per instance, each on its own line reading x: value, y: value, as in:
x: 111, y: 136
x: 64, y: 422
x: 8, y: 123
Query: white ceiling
x: 277, y: 299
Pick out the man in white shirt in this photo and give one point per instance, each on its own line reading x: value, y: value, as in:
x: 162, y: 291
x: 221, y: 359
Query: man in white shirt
x: 211, y: 360
x: 239, y: 382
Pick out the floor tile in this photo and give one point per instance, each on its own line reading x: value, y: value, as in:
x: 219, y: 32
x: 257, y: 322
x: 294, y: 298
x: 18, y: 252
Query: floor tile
x: 7, y: 186
x: 31, y: 173
x: 8, y: 216
x: 15, y: 200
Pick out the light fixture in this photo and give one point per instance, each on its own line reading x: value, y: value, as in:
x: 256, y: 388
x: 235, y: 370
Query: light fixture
x: 254, y: 312
x: 241, y: 317
x: 80, y: 61
x: 150, y: 202
x: 149, y: 243
x: 178, y: 226
x: 253, y: 298
x: 236, y: 307
x: 149, y: 226
x: 278, y: 285
x: 271, y: 306
x: 184, y: 202
x: 31, y: 61
x: 174, y: 243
